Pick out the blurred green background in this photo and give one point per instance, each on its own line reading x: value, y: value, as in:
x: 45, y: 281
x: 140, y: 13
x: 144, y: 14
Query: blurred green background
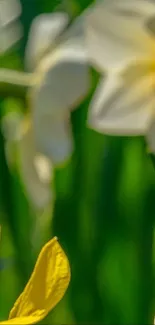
x: 103, y: 215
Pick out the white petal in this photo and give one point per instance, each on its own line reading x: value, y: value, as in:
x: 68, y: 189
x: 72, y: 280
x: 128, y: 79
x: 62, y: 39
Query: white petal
x: 45, y: 29
x: 151, y: 137
x: 150, y: 25
x: 43, y: 168
x: 123, y: 105
x: 10, y: 10
x: 53, y: 136
x: 65, y: 80
x: 116, y: 33
x: 35, y: 171
x: 76, y: 30
x: 132, y: 8
x: 9, y: 36
x: 10, y: 27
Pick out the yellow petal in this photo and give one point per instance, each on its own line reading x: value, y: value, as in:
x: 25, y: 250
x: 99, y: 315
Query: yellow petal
x: 45, y: 288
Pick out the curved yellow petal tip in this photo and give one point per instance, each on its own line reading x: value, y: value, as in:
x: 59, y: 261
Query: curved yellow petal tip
x: 45, y: 288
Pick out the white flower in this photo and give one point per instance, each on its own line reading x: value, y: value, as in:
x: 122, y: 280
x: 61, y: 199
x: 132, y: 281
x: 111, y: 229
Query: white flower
x: 61, y: 82
x: 35, y: 169
x: 57, y: 58
x: 10, y: 27
x: 121, y: 44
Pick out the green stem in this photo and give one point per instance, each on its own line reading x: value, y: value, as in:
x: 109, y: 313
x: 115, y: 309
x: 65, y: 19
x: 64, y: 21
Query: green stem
x: 8, y: 204
x: 152, y: 157
x: 145, y: 260
x: 146, y: 252
x: 15, y: 83
x: 107, y: 221
x: 71, y: 213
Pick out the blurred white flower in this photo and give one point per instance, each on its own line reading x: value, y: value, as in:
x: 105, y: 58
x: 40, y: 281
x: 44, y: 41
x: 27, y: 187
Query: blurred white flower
x: 10, y: 27
x: 56, y: 57
x: 35, y: 169
x: 62, y: 81
x: 120, y: 38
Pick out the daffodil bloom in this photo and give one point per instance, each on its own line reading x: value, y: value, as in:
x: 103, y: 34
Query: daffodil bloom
x: 45, y: 288
x: 35, y: 169
x: 120, y: 38
x: 10, y: 28
x: 61, y: 81
x: 58, y: 80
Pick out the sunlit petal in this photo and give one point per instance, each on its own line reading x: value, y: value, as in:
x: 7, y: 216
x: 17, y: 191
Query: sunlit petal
x: 44, y: 31
x: 46, y: 286
x: 116, y: 33
x: 123, y: 104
